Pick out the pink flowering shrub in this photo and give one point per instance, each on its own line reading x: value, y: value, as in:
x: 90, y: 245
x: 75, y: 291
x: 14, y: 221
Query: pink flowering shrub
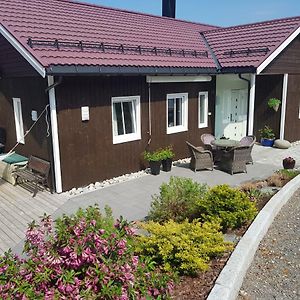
x: 84, y: 256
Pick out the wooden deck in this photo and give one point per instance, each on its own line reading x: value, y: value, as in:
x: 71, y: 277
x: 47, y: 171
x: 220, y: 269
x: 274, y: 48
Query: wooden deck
x: 18, y: 208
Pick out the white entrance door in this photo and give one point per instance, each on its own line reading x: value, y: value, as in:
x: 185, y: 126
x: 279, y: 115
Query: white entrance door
x: 237, y: 115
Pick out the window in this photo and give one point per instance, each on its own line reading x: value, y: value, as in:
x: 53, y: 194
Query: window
x: 18, y: 120
x: 177, y: 110
x: 202, y: 109
x: 126, y: 121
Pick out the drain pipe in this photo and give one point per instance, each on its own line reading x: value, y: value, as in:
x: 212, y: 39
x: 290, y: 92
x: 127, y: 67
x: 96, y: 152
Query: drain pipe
x: 58, y: 82
x: 149, y: 113
x: 248, y: 102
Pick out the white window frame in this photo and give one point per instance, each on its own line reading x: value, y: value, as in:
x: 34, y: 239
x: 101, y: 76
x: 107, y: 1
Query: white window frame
x: 117, y: 139
x: 205, y: 123
x: 184, y: 126
x: 19, y: 120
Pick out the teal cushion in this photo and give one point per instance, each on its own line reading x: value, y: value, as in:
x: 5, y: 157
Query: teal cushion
x: 282, y: 144
x: 15, y: 158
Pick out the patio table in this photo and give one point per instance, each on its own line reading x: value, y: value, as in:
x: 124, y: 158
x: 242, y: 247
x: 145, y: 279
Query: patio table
x: 224, y: 144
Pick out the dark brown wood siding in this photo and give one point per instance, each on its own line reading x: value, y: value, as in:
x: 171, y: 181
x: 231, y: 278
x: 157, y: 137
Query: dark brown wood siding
x: 87, y: 150
x: 292, y: 121
x: 12, y: 64
x: 267, y: 86
x: 288, y: 61
x: 31, y: 91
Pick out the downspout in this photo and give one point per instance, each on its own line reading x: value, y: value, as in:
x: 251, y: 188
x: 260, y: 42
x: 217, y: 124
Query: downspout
x: 55, y: 84
x: 248, y: 102
x: 149, y: 113
x: 56, y: 174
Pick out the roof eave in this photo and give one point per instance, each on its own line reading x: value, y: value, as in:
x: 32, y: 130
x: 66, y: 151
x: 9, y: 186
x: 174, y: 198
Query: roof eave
x: 126, y: 70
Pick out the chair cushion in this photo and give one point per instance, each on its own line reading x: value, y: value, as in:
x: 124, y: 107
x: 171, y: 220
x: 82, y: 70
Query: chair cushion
x: 282, y: 144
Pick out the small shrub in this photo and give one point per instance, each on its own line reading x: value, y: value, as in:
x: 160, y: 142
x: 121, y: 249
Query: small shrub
x: 184, y: 247
x: 288, y: 174
x: 86, y: 256
x: 275, y: 180
x: 230, y: 205
x: 176, y: 200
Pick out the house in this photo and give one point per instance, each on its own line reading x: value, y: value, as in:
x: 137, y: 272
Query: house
x: 114, y: 82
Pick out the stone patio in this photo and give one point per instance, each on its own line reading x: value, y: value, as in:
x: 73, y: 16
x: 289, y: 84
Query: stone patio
x: 131, y: 199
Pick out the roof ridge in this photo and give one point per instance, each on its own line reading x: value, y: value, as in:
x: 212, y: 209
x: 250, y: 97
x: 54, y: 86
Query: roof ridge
x: 80, y: 2
x: 252, y: 24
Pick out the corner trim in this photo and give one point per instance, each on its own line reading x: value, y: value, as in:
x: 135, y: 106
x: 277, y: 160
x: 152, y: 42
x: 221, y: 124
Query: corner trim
x: 283, y: 104
x: 55, y: 140
x: 251, y: 104
x: 30, y: 59
x: 269, y: 59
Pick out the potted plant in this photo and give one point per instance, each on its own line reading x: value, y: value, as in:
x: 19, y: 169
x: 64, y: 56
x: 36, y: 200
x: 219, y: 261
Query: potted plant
x: 288, y: 163
x: 154, y: 159
x: 274, y: 103
x: 167, y: 155
x: 267, y: 136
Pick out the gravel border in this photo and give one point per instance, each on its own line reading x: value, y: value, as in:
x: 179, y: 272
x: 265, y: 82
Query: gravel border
x: 230, y: 280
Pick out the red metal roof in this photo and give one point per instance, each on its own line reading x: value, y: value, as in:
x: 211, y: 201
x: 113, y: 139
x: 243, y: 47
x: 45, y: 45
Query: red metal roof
x: 65, y: 32
x: 71, y: 21
x: 231, y: 45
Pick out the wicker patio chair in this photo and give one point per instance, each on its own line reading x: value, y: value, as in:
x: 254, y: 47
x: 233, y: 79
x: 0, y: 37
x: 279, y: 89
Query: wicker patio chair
x: 234, y: 160
x: 249, y: 141
x: 206, y: 139
x: 200, y: 159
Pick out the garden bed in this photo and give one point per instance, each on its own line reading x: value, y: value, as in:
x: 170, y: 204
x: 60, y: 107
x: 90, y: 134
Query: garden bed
x: 189, y: 236
x: 192, y: 288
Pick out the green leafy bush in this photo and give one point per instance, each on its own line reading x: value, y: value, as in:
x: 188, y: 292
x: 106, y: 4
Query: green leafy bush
x: 176, y: 200
x: 152, y: 155
x: 183, y: 247
x: 230, y: 205
x: 167, y: 152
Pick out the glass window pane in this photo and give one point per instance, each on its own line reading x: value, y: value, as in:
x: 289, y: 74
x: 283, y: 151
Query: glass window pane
x: 118, y: 122
x: 128, y: 117
x: 171, y: 114
x: 202, y: 108
x: 178, y: 111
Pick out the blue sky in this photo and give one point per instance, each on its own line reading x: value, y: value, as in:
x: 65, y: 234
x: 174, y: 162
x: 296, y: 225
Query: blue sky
x: 216, y: 12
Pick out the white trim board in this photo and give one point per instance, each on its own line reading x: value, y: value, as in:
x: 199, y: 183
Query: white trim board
x: 55, y: 140
x: 161, y: 79
x: 270, y: 58
x: 283, y: 105
x: 30, y: 59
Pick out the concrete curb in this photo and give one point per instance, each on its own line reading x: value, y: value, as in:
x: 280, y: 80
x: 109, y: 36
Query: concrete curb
x: 230, y: 280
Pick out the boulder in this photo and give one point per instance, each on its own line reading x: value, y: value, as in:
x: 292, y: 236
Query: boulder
x: 282, y: 144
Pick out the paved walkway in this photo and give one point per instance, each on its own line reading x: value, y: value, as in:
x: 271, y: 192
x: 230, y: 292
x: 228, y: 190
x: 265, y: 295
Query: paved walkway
x: 132, y: 199
x: 275, y: 270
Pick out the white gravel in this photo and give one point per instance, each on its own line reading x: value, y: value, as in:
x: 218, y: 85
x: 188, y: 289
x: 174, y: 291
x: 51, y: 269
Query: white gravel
x: 275, y: 271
